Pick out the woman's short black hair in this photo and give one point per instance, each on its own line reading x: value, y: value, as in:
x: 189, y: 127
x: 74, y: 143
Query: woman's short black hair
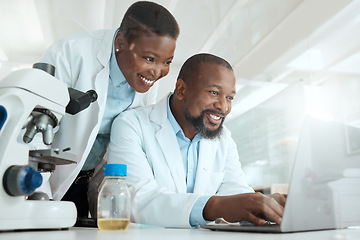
x: 192, y: 64
x: 148, y: 17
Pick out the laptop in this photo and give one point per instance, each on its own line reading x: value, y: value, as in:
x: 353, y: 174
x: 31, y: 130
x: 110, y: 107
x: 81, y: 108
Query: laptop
x: 324, y: 190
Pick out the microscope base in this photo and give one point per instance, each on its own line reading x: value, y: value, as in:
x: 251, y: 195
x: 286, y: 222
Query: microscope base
x: 37, y: 214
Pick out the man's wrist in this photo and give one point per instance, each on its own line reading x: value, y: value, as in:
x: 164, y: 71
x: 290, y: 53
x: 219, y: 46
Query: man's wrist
x: 211, y: 209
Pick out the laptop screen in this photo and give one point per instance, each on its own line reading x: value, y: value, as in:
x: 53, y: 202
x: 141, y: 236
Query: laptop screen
x: 324, y: 189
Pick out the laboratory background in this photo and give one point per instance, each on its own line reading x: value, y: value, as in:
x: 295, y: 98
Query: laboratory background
x: 291, y: 58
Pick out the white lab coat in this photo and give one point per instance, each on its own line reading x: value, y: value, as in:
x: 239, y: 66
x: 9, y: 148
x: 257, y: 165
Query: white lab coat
x: 145, y: 141
x: 82, y: 62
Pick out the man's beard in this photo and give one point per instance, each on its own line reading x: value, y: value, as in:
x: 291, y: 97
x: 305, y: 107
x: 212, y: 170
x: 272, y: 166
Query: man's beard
x: 199, y: 126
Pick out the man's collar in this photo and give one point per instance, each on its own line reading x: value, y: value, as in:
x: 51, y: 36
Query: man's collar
x: 175, y: 125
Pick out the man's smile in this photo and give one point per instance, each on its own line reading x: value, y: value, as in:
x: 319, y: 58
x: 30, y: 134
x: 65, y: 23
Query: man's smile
x: 214, y: 119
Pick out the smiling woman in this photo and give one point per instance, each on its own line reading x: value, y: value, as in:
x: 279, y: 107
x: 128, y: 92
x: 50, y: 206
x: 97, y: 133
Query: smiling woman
x: 144, y: 60
x: 122, y: 66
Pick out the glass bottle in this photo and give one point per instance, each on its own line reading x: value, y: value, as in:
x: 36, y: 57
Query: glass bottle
x: 113, y: 210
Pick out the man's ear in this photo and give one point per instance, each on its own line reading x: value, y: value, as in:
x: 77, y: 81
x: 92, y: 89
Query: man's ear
x: 180, y: 89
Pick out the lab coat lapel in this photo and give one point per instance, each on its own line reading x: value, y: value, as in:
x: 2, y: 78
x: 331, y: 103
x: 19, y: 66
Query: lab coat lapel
x: 137, y: 101
x: 207, y: 150
x: 169, y: 145
x: 101, y: 83
x: 102, y: 78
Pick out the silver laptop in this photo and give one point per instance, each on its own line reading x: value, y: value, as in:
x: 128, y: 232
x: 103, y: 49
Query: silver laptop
x: 324, y: 190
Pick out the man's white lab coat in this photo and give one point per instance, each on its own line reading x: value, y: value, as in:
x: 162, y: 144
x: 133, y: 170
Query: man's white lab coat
x: 82, y: 62
x: 145, y: 141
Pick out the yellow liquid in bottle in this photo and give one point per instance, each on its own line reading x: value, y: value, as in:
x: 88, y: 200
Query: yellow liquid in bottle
x: 113, y: 224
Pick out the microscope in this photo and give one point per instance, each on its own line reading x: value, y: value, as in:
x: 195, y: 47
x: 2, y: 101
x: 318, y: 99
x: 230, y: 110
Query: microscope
x: 33, y: 101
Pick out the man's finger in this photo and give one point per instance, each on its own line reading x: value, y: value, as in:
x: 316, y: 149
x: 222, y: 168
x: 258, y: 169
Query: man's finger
x: 273, y: 210
x: 256, y: 220
x: 280, y: 198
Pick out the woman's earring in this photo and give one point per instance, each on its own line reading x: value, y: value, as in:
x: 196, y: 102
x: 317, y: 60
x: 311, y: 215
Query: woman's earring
x: 116, y: 50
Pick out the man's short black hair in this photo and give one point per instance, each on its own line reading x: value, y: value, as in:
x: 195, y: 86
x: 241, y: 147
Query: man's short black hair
x: 192, y: 64
x: 148, y: 17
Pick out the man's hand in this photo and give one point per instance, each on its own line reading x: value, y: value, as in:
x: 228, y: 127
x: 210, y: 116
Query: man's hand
x: 252, y: 207
x: 280, y: 198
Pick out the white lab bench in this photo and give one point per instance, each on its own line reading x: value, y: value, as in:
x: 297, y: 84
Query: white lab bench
x: 138, y: 232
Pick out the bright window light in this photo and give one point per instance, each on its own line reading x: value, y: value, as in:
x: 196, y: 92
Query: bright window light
x: 310, y: 60
x: 319, y: 103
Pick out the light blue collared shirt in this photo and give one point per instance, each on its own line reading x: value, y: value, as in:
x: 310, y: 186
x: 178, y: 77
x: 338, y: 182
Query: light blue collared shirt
x: 120, y: 95
x: 190, y: 155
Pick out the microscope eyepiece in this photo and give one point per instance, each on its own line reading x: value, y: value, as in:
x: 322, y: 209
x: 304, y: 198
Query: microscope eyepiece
x: 80, y: 100
x: 93, y: 95
x: 50, y: 69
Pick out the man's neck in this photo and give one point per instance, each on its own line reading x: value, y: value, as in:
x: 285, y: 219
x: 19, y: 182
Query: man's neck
x: 176, y: 110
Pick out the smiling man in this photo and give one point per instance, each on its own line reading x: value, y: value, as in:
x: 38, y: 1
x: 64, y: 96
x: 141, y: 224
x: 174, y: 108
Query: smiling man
x: 183, y: 166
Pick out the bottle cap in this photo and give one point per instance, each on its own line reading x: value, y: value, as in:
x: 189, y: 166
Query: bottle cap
x: 114, y: 170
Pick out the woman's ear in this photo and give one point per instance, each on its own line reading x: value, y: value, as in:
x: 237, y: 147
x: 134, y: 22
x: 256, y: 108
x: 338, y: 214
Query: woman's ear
x: 119, y: 41
x: 180, y: 89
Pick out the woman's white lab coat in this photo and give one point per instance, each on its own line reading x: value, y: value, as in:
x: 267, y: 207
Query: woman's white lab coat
x: 82, y: 62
